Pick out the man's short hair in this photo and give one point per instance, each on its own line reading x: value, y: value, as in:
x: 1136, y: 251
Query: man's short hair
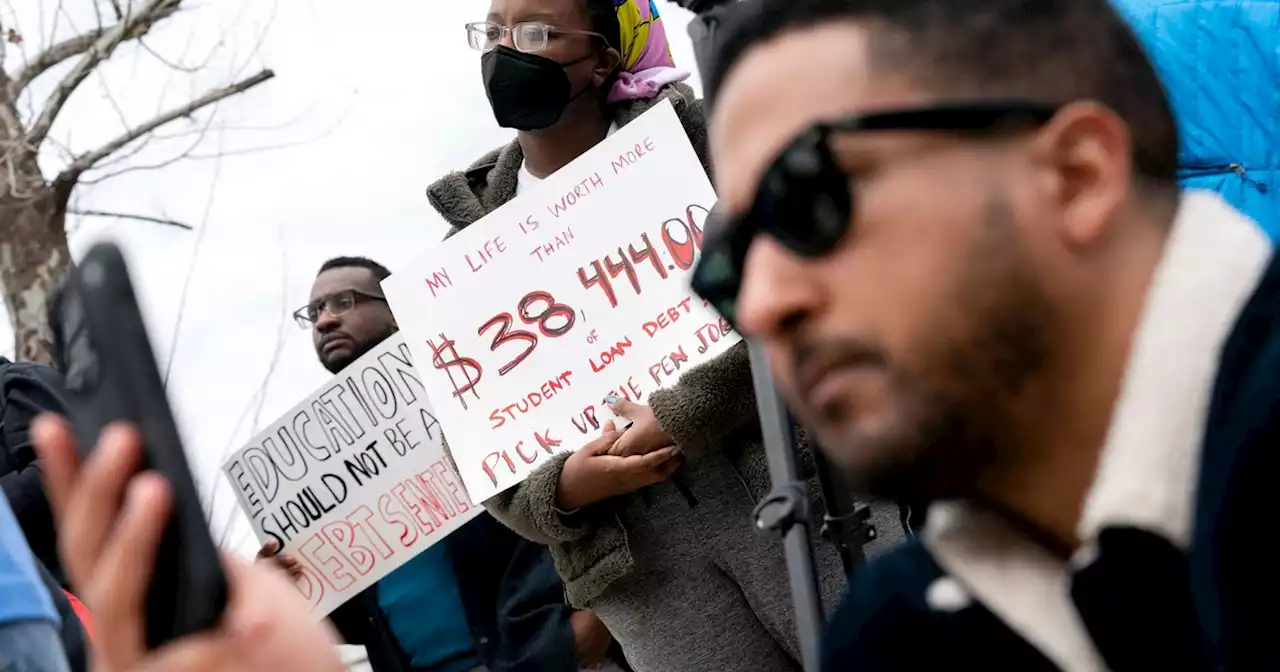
x: 1053, y: 51
x: 379, y: 271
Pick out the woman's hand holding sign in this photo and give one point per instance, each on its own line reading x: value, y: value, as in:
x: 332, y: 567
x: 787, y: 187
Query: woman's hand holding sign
x: 644, y: 435
x: 593, y: 475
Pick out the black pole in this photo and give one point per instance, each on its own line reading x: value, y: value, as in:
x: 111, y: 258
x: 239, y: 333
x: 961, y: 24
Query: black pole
x: 845, y: 521
x: 785, y: 510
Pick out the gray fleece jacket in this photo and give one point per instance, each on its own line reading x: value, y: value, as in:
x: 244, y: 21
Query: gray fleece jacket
x: 712, y: 407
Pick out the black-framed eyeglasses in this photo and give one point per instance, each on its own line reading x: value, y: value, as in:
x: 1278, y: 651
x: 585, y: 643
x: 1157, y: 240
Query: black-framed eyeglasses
x: 805, y: 200
x: 530, y: 37
x: 338, y: 304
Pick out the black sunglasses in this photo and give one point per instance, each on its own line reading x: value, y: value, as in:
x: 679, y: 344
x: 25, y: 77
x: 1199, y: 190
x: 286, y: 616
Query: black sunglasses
x: 805, y: 201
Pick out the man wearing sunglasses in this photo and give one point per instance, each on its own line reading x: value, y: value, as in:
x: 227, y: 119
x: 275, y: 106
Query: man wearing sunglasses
x: 483, y: 599
x: 955, y: 228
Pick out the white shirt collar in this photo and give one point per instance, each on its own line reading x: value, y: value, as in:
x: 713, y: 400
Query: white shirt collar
x: 1150, y: 462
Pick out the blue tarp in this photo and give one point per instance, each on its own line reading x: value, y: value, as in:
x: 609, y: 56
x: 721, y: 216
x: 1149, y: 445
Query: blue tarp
x: 1220, y: 61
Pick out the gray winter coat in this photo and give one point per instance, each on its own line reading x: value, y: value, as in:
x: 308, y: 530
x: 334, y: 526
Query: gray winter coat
x: 712, y: 407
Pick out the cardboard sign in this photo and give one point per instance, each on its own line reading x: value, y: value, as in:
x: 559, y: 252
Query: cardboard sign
x: 525, y: 320
x: 354, y: 481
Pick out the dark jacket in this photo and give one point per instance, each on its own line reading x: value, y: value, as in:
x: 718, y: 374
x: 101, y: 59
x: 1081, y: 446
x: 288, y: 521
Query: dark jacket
x: 712, y: 407
x: 513, y: 600
x: 1146, y: 600
x: 26, y: 391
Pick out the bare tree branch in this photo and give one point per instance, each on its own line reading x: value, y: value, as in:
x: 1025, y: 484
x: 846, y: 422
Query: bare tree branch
x: 59, y: 52
x: 125, y: 215
x: 191, y: 269
x: 173, y: 65
x: 111, y: 99
x: 137, y: 148
x: 99, y: 51
x: 97, y: 15
x: 10, y: 123
x: 74, y: 46
x: 53, y: 25
x: 189, y: 153
x: 87, y: 160
x: 4, y: 41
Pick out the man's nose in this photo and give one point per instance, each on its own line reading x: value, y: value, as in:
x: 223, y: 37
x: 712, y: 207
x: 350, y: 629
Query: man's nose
x: 778, y: 292
x: 325, y: 321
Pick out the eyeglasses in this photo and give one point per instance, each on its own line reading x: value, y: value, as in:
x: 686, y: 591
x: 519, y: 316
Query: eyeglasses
x: 527, y: 36
x: 805, y: 200
x: 337, y: 303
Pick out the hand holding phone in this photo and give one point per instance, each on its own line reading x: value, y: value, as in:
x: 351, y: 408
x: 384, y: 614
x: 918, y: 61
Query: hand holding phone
x: 112, y: 377
x: 113, y: 519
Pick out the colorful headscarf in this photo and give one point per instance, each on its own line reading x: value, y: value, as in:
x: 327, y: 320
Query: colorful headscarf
x: 647, y: 65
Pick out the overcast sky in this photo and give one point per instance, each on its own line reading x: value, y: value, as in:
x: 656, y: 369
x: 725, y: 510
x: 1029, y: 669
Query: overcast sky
x: 367, y: 108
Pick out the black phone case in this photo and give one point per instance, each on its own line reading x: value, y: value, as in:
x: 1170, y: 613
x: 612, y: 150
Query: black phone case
x: 112, y: 375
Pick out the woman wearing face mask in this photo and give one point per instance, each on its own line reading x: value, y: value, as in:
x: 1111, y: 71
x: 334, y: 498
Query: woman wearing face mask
x: 674, y: 569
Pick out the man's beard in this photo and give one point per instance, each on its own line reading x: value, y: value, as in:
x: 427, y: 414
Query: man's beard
x: 336, y: 364
x: 953, y: 428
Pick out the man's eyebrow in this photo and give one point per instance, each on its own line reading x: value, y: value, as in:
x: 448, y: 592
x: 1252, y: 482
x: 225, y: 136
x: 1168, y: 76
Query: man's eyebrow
x: 329, y: 295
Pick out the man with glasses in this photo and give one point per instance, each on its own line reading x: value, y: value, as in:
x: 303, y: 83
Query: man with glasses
x: 483, y: 599
x: 955, y: 228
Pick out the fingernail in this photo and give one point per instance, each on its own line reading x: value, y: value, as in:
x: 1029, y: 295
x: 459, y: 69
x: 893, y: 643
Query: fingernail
x: 135, y: 493
x: 675, y: 452
x: 610, y: 399
x: 117, y: 439
x: 141, y: 487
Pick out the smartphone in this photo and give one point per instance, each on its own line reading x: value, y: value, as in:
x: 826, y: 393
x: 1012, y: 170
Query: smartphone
x: 111, y: 375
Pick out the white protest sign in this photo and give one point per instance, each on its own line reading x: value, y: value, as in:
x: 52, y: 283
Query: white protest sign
x: 524, y: 321
x: 354, y: 481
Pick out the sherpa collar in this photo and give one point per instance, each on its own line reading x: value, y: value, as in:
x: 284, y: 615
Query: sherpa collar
x: 1150, y: 462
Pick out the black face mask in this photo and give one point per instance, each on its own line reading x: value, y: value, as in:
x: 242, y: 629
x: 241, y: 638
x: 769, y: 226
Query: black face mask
x: 528, y: 92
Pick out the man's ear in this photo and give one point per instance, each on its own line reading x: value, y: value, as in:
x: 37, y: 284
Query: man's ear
x: 610, y: 61
x: 1090, y: 150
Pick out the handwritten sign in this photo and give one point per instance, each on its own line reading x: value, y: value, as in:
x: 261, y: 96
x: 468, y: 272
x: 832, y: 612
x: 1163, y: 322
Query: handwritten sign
x: 524, y: 321
x: 354, y: 481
